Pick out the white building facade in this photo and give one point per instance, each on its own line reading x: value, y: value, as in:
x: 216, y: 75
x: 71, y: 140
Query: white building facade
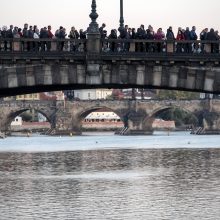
x: 92, y: 94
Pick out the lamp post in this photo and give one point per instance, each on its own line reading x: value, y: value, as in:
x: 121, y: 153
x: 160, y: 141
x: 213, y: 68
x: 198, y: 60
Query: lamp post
x: 93, y: 35
x: 121, y: 16
x: 93, y: 27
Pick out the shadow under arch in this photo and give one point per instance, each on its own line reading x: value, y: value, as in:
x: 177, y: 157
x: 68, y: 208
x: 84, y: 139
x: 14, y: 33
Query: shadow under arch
x: 148, y: 121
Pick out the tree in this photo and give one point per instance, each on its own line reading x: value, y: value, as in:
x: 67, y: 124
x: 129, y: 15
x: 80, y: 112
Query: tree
x: 176, y: 95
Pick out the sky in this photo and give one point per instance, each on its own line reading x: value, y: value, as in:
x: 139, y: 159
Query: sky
x: 160, y: 13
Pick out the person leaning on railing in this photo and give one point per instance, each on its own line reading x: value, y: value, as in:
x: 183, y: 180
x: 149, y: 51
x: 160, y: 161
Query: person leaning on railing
x: 203, y: 37
x: 112, y: 44
x: 212, y: 36
x: 159, y: 36
x: 73, y: 35
x: 180, y: 37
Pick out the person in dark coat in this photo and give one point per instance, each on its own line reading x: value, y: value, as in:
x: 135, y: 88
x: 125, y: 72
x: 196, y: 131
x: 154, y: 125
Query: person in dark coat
x: 194, y: 37
x: 150, y: 46
x: 73, y: 35
x: 188, y: 46
x: 102, y: 31
x: 211, y: 36
x: 4, y: 36
x: 140, y: 35
x: 203, y: 37
x: 170, y: 34
x: 43, y: 35
x: 113, y: 36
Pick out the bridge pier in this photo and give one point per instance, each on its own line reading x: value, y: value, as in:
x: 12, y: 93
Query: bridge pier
x: 211, y: 123
x: 135, y: 123
x: 64, y: 122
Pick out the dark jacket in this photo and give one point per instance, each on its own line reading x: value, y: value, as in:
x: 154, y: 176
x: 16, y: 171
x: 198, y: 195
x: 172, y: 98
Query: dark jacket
x: 123, y: 33
x: 203, y: 35
x: 193, y: 35
x: 211, y: 35
x: 25, y: 33
x: 187, y: 35
x: 82, y: 34
x: 30, y: 33
x: 9, y: 33
x: 140, y: 34
x: 74, y: 35
x: 149, y: 35
x: 4, y: 34
x: 170, y: 35
x: 43, y: 33
x: 113, y: 35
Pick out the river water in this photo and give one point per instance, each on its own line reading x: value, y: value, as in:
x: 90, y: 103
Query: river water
x: 102, y: 177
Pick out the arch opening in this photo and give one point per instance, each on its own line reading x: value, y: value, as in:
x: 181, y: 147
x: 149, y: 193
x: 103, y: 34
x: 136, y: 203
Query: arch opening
x: 101, y: 119
x: 28, y: 121
x: 173, y: 118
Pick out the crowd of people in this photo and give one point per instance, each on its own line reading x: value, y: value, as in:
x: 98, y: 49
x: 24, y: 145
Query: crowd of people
x: 149, y: 34
x: 125, y: 33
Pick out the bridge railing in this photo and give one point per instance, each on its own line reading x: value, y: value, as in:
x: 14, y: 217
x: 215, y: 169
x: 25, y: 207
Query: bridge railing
x: 42, y: 45
x: 110, y: 46
x: 160, y: 46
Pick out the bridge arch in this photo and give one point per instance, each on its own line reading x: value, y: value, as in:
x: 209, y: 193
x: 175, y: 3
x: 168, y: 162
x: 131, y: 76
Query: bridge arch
x: 148, y: 121
x: 83, y: 114
x: 18, y: 112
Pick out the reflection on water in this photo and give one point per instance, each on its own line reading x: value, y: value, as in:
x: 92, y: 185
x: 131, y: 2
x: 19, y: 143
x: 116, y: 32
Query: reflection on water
x: 111, y: 184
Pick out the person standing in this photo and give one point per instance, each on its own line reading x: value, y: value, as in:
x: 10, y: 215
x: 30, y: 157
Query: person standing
x: 194, y: 37
x: 73, y: 35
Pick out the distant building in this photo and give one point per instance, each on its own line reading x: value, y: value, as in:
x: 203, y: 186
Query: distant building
x: 17, y: 121
x: 102, y: 120
x: 28, y: 97
x: 138, y: 94
x: 102, y: 115
x: 92, y: 94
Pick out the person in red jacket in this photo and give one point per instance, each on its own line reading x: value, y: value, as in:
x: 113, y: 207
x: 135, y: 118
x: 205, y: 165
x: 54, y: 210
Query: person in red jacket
x: 180, y: 37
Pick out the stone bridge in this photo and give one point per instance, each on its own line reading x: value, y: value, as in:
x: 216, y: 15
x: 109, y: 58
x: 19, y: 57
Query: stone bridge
x: 138, y: 116
x: 23, y: 70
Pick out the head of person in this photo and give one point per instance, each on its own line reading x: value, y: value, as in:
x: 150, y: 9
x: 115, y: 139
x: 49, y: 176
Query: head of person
x: 159, y: 30
x: 150, y: 28
x: 26, y: 26
x: 49, y: 27
x: 194, y: 28
x: 103, y: 25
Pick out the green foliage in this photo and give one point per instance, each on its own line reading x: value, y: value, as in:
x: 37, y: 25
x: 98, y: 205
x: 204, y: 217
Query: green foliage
x: 26, y: 116
x: 176, y: 95
x: 179, y: 116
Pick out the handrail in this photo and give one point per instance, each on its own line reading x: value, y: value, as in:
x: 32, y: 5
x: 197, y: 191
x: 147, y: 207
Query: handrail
x: 109, y: 45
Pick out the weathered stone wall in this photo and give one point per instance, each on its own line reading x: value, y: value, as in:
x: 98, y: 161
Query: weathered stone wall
x: 138, y: 116
x: 36, y: 76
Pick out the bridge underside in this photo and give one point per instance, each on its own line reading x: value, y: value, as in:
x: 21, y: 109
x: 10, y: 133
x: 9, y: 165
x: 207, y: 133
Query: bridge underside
x: 34, y: 76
